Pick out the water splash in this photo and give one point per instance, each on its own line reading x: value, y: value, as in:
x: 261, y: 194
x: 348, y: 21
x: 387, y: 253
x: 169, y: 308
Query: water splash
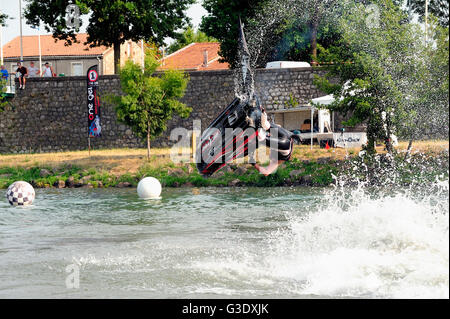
x: 396, y: 246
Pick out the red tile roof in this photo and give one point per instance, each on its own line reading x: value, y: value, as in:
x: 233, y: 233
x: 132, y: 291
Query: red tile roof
x: 49, y: 47
x: 191, y: 57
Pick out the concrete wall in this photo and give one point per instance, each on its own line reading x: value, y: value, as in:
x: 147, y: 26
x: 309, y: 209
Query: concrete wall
x: 51, y: 114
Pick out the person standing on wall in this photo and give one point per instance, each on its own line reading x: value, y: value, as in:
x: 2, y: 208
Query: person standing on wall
x: 21, y: 73
x: 4, y: 73
x: 33, y: 71
x: 48, y: 71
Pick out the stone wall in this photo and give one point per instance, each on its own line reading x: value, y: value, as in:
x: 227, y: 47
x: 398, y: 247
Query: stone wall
x: 51, y: 113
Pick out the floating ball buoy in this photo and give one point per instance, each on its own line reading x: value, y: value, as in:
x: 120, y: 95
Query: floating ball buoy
x: 149, y: 187
x: 20, y: 194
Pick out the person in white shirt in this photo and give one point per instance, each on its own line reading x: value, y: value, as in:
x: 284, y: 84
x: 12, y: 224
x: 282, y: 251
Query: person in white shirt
x: 48, y: 70
x: 33, y: 72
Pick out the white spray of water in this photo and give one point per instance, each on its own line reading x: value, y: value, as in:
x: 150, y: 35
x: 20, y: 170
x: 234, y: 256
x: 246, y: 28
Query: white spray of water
x: 389, y: 247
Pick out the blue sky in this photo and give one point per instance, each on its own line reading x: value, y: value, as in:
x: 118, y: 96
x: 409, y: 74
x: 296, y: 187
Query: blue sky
x: 11, y: 8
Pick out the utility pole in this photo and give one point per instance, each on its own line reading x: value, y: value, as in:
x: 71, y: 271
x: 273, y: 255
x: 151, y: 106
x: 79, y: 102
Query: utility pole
x: 21, y: 43
x: 142, y: 56
x: 40, y: 52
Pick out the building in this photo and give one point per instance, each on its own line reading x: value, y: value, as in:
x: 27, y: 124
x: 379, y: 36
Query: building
x: 203, y: 56
x: 73, y: 60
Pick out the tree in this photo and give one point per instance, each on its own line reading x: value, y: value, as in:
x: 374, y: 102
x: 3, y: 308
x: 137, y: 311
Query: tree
x: 377, y: 66
x: 150, y: 100
x: 3, y: 101
x: 291, y: 28
x: 294, y: 43
x: 222, y: 23
x: 439, y: 8
x: 317, y: 11
x: 3, y: 18
x: 188, y: 36
x: 112, y: 22
x: 429, y: 90
x: 275, y: 29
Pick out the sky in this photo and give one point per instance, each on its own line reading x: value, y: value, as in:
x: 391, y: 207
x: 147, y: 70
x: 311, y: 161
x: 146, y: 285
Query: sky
x: 11, y: 8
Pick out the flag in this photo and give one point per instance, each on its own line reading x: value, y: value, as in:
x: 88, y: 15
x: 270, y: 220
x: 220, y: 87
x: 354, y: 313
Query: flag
x: 93, y: 103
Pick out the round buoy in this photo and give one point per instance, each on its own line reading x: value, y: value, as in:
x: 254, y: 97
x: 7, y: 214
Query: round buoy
x: 20, y: 194
x: 149, y: 187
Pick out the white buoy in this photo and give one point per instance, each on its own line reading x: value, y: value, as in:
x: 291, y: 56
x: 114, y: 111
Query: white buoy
x: 148, y: 188
x: 20, y: 194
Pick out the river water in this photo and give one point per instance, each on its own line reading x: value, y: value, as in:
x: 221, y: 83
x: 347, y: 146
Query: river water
x: 225, y: 243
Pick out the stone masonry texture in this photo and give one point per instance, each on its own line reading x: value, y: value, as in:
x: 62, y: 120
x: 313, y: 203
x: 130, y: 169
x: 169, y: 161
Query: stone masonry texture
x: 50, y: 115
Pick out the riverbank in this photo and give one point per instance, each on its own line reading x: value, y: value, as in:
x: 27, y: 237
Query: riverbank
x: 125, y: 167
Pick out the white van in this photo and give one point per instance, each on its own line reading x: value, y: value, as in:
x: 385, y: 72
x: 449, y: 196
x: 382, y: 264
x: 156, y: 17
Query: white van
x: 287, y: 64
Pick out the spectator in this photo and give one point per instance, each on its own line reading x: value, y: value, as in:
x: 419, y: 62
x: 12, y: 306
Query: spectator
x: 4, y: 73
x: 48, y: 70
x: 21, y: 73
x: 33, y: 72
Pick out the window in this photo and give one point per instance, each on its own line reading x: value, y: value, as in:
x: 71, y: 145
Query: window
x: 77, y: 68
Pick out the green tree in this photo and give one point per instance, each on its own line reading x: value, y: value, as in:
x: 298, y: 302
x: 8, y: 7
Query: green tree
x: 377, y: 65
x: 112, y: 22
x: 429, y: 89
x: 150, y: 100
x: 188, y: 36
x: 315, y: 14
x: 3, y: 18
x: 3, y: 101
x: 294, y: 43
x: 275, y: 29
x: 222, y: 23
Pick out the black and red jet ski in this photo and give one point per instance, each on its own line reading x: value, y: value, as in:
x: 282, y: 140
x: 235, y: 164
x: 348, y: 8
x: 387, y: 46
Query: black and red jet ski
x: 228, y: 137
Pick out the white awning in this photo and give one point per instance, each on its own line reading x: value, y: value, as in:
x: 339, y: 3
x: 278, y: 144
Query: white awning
x: 323, y: 100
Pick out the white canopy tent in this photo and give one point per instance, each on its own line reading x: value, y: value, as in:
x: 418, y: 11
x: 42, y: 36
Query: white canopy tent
x: 351, y: 139
x: 323, y: 100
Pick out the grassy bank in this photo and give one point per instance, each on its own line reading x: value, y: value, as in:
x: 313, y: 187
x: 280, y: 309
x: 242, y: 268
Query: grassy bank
x: 293, y: 173
x: 125, y: 167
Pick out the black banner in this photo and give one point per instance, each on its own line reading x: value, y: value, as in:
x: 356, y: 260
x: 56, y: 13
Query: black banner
x: 93, y: 102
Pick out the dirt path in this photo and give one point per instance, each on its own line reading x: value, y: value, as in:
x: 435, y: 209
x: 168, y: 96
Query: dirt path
x: 122, y: 161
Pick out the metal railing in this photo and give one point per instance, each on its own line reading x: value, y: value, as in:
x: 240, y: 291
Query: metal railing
x: 11, y: 88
